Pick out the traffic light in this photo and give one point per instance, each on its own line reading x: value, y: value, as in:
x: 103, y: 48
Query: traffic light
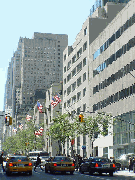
x: 81, y: 118
x: 10, y: 120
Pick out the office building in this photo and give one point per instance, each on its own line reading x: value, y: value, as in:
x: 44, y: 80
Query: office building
x: 78, y: 64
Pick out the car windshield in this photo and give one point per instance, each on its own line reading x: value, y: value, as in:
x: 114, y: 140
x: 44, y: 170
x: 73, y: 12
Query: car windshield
x: 17, y: 159
x: 33, y: 154
x: 44, y: 154
x: 100, y: 160
x: 61, y: 159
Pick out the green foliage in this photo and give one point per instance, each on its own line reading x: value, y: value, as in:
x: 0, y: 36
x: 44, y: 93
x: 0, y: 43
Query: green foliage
x: 24, y: 140
x: 62, y: 128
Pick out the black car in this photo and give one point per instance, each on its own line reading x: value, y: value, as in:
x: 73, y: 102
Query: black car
x: 97, y: 164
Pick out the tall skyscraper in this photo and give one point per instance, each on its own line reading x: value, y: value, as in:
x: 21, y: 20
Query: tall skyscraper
x: 37, y: 63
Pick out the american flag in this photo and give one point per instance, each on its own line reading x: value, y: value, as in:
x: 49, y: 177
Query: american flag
x: 21, y: 126
x: 14, y: 129
x: 39, y: 132
x: 41, y: 129
x: 39, y: 106
x: 57, y: 97
x: 55, y: 100
x: 28, y: 117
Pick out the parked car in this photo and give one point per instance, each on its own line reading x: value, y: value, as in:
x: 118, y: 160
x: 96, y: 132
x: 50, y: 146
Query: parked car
x: 59, y: 164
x: 123, y: 160
x: 18, y: 164
x: 97, y: 164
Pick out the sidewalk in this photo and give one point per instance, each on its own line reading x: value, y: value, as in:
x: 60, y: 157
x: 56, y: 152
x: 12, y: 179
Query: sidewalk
x: 125, y: 173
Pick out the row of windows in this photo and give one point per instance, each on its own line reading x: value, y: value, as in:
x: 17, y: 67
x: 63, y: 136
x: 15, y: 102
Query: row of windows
x: 78, y: 55
x: 115, y: 97
x: 114, y: 77
x: 78, y: 83
x: 115, y: 36
x: 76, y: 70
x: 75, y: 98
x: 115, y: 56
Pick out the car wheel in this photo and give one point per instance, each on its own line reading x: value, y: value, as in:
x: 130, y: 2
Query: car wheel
x: 82, y: 172
x: 51, y: 172
x: 30, y: 172
x: 111, y: 173
x: 8, y: 173
x: 71, y: 172
x: 91, y: 172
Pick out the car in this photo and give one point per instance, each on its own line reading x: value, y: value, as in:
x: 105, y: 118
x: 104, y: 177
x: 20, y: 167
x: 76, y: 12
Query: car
x: 61, y: 164
x: 18, y: 164
x: 97, y: 164
x: 123, y: 160
x: 44, y: 156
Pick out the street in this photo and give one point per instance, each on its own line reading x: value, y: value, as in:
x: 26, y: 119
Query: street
x: 58, y: 176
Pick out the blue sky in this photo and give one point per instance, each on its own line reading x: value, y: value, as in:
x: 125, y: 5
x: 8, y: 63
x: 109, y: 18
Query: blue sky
x: 23, y: 18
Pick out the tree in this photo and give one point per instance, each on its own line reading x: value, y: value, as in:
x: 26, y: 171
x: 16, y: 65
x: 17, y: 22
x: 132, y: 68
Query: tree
x: 24, y: 140
x: 61, y: 129
x: 94, y: 125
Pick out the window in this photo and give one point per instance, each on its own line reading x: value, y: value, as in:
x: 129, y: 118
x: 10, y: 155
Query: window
x: 68, y: 77
x: 64, y: 57
x: 65, y: 105
x: 84, y: 91
x: 68, y: 90
x: 74, y: 59
x: 73, y: 86
x: 79, y: 53
x: 84, y: 76
x: 68, y: 102
x: 118, y: 34
x: 78, y: 96
x: 64, y: 92
x: 79, y: 67
x: 85, y: 46
x: 84, y: 61
x: 74, y: 72
x: 79, y: 81
x: 111, y: 39
x: 69, y: 65
x: 78, y: 110
x: 96, y: 54
x: 64, y: 69
x: 65, y: 81
x: 74, y: 99
x: 84, y: 107
x: 85, y: 31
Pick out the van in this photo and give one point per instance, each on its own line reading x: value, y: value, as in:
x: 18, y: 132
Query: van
x: 44, y: 156
x: 33, y: 156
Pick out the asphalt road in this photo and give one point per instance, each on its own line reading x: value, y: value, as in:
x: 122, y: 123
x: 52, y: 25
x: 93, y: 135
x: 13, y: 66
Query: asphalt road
x: 58, y: 176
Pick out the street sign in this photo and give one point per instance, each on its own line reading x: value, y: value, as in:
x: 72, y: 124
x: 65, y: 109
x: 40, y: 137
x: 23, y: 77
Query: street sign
x: 83, y: 147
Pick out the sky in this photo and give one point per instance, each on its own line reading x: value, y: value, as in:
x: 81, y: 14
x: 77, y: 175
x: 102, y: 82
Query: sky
x: 23, y: 18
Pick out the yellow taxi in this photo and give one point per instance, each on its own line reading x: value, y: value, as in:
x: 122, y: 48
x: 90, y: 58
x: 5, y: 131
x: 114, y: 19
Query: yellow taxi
x: 59, y: 164
x: 18, y: 164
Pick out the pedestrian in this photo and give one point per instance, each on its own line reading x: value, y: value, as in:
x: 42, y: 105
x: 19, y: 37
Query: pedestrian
x: 130, y: 163
x: 133, y: 163
x: 76, y: 162
x: 80, y: 160
x: 38, y: 162
x: 1, y: 161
